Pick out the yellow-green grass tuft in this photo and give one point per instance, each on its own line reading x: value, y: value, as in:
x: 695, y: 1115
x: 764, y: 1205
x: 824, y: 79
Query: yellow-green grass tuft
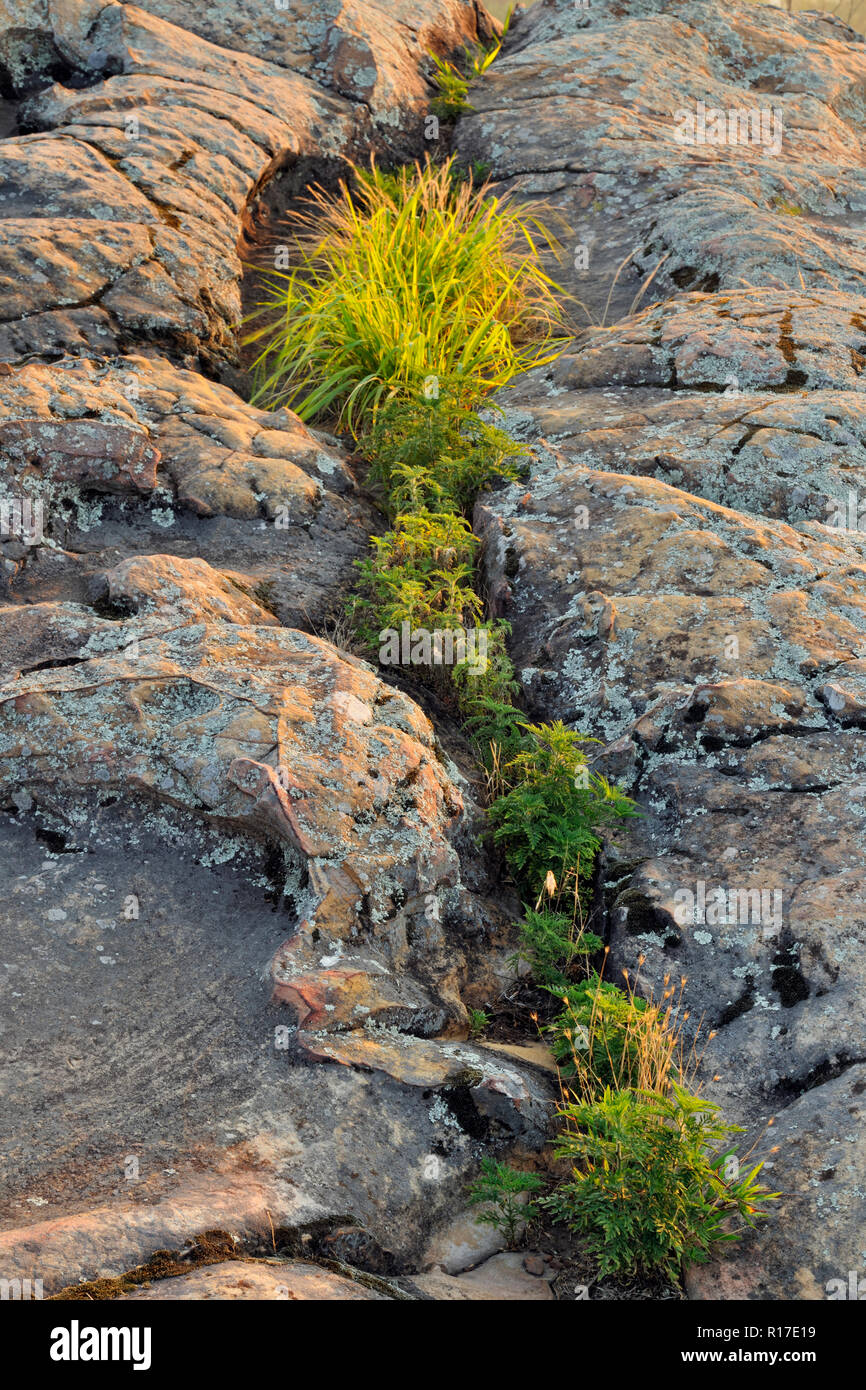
x: 407, y: 282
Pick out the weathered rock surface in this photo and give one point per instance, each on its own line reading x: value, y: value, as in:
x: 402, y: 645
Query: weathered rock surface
x: 685, y: 572
x: 133, y: 456
x: 818, y: 1160
x: 244, y: 1279
x: 125, y: 192
x: 237, y: 858
x: 232, y: 852
x: 124, y: 197
x: 366, y: 52
x: 501, y: 1278
x: 166, y: 1099
x: 462, y: 1244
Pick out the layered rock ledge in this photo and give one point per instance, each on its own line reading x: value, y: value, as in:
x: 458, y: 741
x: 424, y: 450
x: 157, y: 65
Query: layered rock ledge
x: 246, y: 908
x: 685, y: 571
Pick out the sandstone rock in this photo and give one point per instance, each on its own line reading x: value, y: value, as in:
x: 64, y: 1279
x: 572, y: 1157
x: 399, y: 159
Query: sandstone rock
x: 500, y: 1095
x: 150, y: 1104
x: 93, y: 455
x: 339, y: 999
x: 105, y: 1242
x: 502, y: 1277
x: 600, y: 565
x: 684, y: 571
x: 204, y: 474
x: 148, y: 583
x: 247, y: 724
x: 237, y: 1279
x: 584, y: 106
x: 407, y: 1059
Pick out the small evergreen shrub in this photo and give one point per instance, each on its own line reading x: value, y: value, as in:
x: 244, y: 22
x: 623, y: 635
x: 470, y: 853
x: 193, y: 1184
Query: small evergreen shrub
x: 506, y: 1196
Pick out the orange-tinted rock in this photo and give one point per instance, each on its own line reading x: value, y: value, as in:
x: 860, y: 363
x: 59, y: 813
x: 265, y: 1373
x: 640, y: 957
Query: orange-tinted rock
x: 289, y: 1281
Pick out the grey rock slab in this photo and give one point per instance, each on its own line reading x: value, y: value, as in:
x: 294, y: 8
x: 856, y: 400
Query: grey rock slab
x: 142, y: 1104
x: 684, y: 569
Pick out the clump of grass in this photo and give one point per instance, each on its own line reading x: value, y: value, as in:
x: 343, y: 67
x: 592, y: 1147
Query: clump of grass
x: 402, y: 279
x: 452, y: 89
x: 452, y: 82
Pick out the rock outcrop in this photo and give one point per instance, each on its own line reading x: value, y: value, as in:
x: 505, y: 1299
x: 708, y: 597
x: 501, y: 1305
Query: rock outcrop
x: 245, y: 904
x: 685, y: 572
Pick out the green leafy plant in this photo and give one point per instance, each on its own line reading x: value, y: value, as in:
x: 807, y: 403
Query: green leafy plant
x: 453, y: 88
x: 497, y: 727
x: 478, y: 1021
x: 437, y: 453
x: 548, y: 820
x: 506, y: 1195
x: 403, y: 278
x: 453, y: 82
x: 654, y: 1182
x: 428, y: 459
x: 550, y: 943
x: 603, y: 1037
x: 419, y: 573
x: 476, y: 689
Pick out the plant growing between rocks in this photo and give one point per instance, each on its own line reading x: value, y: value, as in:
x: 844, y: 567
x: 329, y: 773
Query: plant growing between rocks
x: 453, y: 82
x: 506, y: 1197
x: 548, y: 818
x: 403, y: 279
x: 415, y: 296
x: 653, y: 1184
